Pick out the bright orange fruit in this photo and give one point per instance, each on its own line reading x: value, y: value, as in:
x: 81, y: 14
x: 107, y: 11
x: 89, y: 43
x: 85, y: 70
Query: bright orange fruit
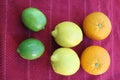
x: 95, y: 60
x: 97, y: 26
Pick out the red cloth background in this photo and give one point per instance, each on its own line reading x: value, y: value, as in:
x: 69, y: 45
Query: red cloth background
x: 12, y: 32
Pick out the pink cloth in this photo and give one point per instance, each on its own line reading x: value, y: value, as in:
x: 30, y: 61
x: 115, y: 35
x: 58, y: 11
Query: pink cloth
x: 12, y: 32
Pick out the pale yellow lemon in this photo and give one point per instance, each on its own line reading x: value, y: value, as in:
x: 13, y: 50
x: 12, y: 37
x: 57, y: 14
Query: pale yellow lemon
x: 65, y: 61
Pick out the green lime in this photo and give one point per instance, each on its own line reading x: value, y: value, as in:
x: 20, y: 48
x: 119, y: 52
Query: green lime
x: 31, y: 49
x: 34, y: 19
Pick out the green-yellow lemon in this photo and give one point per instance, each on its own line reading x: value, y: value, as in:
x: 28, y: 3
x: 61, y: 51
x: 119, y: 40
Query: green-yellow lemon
x: 67, y: 34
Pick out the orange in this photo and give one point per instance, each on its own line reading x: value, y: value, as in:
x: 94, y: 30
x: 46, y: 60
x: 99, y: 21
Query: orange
x: 97, y: 26
x: 95, y: 60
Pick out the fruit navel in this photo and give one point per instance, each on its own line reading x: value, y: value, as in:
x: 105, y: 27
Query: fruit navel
x: 97, y: 64
x: 99, y: 25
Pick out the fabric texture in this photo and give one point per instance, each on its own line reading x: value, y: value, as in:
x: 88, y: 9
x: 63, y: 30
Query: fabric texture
x: 12, y: 32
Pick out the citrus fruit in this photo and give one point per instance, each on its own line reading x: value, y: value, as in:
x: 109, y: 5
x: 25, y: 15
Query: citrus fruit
x: 95, y: 60
x: 67, y: 34
x: 31, y: 49
x: 65, y: 61
x: 34, y: 19
x: 97, y: 26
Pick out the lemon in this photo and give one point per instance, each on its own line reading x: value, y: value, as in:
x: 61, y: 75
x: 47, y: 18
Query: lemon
x: 67, y: 34
x: 65, y: 61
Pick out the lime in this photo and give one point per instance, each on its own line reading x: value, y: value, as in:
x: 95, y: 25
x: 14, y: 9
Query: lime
x: 67, y: 34
x: 65, y: 61
x: 31, y: 49
x: 34, y: 19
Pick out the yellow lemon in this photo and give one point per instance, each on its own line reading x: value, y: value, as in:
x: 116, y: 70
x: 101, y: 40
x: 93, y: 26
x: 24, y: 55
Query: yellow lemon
x: 67, y: 34
x: 65, y: 61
